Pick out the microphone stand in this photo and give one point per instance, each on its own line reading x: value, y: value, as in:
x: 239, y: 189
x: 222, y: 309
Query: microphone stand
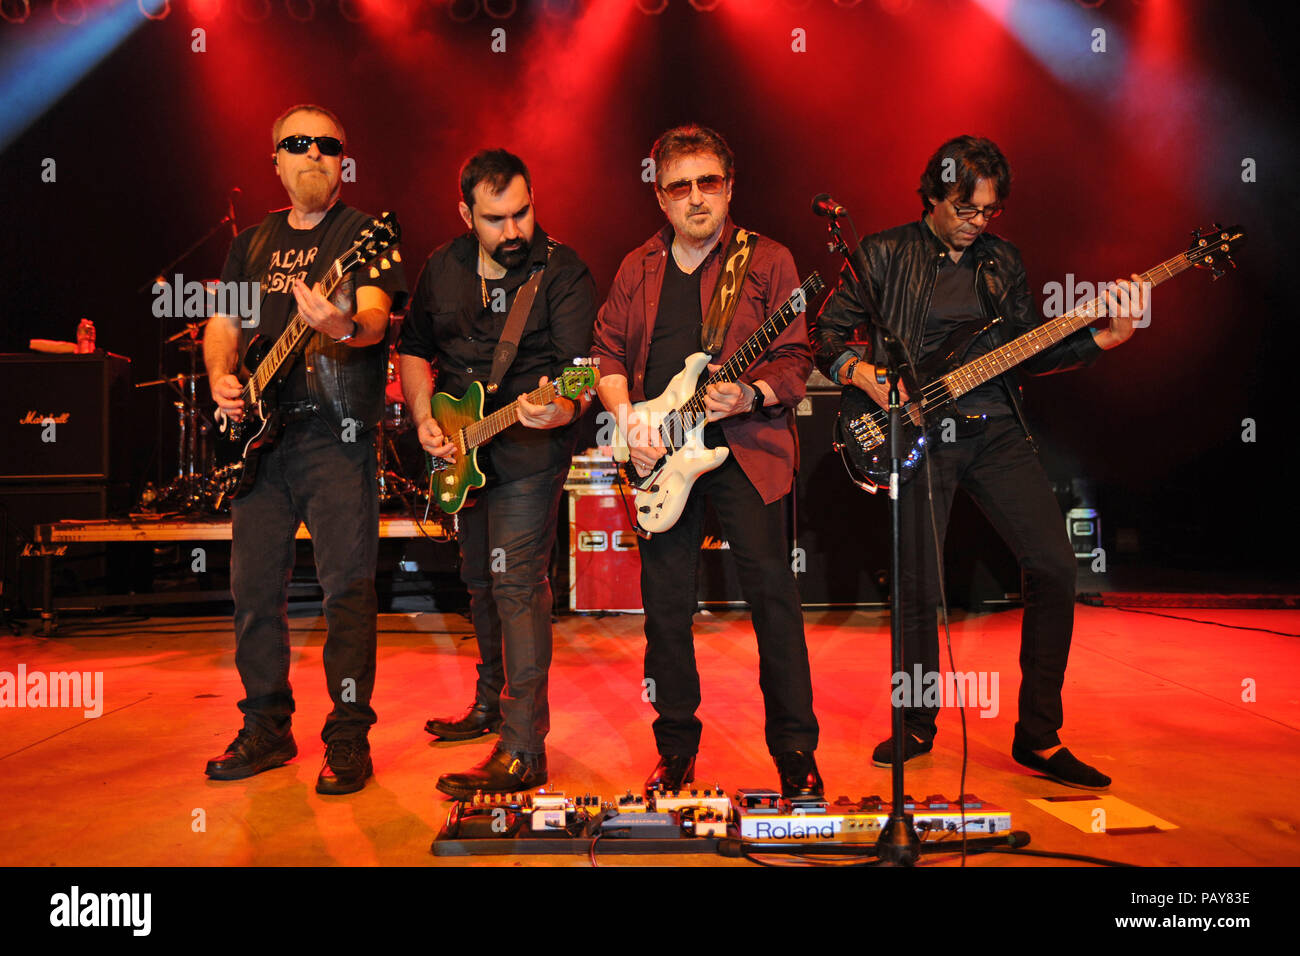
x: 898, y: 844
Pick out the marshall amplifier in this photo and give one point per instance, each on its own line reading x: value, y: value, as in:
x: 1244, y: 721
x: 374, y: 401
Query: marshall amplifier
x: 55, y: 415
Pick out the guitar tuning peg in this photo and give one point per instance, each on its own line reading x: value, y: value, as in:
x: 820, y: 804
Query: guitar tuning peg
x: 374, y: 273
x: 383, y: 264
x: 397, y: 255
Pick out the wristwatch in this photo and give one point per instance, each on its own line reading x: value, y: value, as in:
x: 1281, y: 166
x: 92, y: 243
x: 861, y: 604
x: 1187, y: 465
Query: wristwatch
x: 351, y: 335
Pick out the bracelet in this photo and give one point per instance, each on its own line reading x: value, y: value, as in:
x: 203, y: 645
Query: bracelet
x: 351, y: 335
x: 851, y: 365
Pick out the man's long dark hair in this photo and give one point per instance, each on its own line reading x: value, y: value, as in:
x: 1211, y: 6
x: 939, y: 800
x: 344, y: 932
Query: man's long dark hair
x: 972, y: 159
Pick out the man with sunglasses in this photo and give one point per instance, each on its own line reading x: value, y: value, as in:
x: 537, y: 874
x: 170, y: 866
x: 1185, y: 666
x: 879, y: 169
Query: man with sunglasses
x: 927, y: 279
x: 651, y: 322
x: 321, y: 469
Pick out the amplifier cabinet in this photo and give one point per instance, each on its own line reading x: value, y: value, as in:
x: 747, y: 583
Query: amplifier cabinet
x: 56, y: 416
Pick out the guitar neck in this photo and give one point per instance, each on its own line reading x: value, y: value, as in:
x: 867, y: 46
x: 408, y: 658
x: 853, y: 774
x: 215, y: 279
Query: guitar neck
x: 692, y: 410
x: 287, y: 344
x: 489, y: 426
x: 1006, y: 357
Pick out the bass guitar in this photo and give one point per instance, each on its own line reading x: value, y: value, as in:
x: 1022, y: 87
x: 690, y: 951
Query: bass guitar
x: 239, y: 444
x: 678, y: 413
x: 463, y: 423
x: 862, y: 426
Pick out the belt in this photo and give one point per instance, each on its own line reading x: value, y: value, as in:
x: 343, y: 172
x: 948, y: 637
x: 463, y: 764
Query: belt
x: 298, y: 411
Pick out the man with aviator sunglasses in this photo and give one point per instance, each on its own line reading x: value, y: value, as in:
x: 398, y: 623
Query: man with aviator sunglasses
x: 928, y: 279
x: 321, y: 469
x: 653, y: 319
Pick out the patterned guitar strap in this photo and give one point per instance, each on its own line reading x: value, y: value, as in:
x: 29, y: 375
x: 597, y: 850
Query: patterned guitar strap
x: 726, y: 294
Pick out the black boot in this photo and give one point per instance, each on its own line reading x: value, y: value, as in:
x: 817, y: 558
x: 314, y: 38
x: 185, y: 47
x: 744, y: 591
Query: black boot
x: 671, y: 773
x: 799, y: 776
x: 501, y: 772
x: 250, y: 753
x: 347, y: 765
x: 481, y: 718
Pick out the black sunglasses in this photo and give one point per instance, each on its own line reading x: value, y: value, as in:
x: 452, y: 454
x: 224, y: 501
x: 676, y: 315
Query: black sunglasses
x: 328, y: 145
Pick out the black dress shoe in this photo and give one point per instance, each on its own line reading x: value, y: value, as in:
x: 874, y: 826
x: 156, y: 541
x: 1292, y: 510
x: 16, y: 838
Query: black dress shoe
x: 501, y: 772
x: 347, y: 766
x: 799, y: 776
x: 672, y: 771
x: 479, y: 719
x: 1063, y: 767
x: 883, y: 755
x: 251, y: 753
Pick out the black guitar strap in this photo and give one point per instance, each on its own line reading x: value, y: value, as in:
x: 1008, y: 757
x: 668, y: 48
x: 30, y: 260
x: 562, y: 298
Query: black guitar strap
x: 508, y: 345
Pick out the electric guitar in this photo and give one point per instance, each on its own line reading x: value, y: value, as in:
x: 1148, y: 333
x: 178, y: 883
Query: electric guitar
x: 239, y: 444
x: 862, y: 426
x: 463, y: 423
x: 678, y: 413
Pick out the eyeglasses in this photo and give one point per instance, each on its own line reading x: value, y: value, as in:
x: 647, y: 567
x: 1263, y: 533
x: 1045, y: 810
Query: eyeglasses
x: 710, y: 185
x: 328, y: 145
x: 966, y: 213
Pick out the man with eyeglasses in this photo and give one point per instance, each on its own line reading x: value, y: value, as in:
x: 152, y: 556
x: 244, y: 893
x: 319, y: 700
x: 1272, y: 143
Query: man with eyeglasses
x: 321, y: 469
x: 652, y: 320
x: 929, y: 278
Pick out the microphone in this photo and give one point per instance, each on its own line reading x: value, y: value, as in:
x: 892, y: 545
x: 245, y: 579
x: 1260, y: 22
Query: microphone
x: 230, y: 210
x: 824, y: 205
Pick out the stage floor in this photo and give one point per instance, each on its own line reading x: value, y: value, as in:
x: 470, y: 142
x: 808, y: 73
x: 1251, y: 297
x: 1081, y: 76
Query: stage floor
x: 1154, y: 701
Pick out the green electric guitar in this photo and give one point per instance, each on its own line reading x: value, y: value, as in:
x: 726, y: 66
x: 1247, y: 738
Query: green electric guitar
x: 463, y: 422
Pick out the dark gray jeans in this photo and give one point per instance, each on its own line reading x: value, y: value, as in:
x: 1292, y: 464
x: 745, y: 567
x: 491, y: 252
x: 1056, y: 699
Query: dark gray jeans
x: 309, y: 477
x: 506, y: 539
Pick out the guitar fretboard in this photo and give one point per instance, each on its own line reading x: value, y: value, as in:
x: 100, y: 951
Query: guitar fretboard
x: 1006, y: 357
x: 691, y: 412
x: 293, y: 335
x: 487, y: 427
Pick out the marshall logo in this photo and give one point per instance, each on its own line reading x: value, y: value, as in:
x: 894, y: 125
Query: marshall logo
x: 36, y: 418
x: 710, y: 543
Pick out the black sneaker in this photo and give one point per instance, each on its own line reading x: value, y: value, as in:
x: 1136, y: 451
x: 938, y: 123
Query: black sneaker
x: 250, y: 753
x: 883, y: 755
x: 347, y: 766
x: 1063, y: 767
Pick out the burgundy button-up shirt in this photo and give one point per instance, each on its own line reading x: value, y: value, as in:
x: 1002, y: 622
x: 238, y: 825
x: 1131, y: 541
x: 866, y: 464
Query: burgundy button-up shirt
x: 764, y: 443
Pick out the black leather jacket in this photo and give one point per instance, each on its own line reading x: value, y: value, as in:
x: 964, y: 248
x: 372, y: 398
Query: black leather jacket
x: 902, y: 265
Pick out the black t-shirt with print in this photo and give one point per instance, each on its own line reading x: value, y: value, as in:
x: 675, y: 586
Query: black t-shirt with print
x: 297, y: 253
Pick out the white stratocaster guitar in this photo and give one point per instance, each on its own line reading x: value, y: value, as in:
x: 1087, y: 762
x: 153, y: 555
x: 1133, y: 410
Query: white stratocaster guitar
x: 679, y: 415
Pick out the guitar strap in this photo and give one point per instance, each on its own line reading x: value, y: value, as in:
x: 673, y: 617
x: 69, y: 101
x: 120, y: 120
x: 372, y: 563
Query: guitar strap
x: 508, y: 345
x: 735, y: 266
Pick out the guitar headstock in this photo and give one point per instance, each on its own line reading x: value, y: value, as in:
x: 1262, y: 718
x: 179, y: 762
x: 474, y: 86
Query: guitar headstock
x: 1213, y: 248
x: 577, y: 378
x: 375, y: 244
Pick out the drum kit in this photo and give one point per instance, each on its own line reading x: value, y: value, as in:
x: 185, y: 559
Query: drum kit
x: 195, y: 490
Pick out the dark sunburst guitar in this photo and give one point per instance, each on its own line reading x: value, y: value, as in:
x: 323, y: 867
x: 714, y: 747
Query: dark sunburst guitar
x: 862, y: 427
x: 463, y: 423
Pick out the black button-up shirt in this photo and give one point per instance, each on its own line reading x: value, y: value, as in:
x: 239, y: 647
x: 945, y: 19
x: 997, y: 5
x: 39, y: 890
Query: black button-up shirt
x: 450, y: 327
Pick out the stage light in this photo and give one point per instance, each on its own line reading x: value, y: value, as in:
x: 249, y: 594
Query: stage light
x: 652, y: 8
x: 462, y: 11
x: 499, y: 11
x: 301, y: 10
x: 704, y: 6
x: 61, y: 11
x: 254, y: 11
x: 9, y: 10
x: 157, y: 14
x: 205, y: 9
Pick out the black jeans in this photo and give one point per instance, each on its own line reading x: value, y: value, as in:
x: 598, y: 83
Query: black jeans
x: 1002, y: 473
x: 669, y: 569
x: 310, y: 477
x: 506, y: 539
